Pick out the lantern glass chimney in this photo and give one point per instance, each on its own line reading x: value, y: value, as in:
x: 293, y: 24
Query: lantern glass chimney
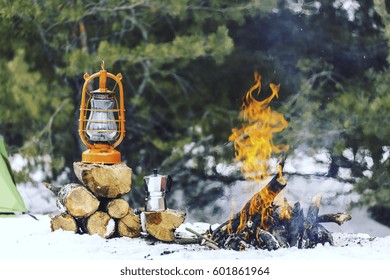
x: 101, y: 125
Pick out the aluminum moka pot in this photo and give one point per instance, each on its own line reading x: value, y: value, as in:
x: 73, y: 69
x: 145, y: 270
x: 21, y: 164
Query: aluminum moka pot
x: 156, y: 186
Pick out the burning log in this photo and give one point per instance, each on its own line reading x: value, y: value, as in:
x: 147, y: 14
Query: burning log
x: 258, y: 210
x: 109, y: 181
x: 264, y: 225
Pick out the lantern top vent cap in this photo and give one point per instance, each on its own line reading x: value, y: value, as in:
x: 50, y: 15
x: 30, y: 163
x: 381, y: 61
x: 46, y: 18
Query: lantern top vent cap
x: 102, y: 91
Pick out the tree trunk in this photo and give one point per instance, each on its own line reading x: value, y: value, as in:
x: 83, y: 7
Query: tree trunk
x: 77, y: 201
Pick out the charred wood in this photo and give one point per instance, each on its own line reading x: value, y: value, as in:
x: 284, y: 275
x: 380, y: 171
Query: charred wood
x: 255, y: 210
x: 267, y: 240
x: 295, y: 227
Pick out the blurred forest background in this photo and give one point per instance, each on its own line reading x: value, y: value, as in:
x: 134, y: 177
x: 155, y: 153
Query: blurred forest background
x: 185, y: 66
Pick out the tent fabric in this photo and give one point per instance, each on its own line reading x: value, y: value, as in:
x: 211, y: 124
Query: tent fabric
x: 10, y: 199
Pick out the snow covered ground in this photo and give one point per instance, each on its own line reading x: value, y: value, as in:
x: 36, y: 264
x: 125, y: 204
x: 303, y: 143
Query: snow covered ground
x: 23, y: 238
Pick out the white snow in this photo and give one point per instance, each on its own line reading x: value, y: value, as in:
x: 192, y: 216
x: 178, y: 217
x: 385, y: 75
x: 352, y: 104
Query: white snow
x: 22, y: 238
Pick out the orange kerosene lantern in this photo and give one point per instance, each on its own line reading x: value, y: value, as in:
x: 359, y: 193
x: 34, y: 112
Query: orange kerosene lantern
x: 102, y: 118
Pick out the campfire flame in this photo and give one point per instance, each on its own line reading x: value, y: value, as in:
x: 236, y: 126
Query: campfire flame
x: 253, y: 144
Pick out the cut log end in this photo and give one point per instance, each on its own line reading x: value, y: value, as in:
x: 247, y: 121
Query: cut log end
x: 63, y: 222
x: 162, y: 224
x: 118, y: 208
x: 129, y: 226
x: 110, y: 181
x: 77, y: 201
x: 100, y: 223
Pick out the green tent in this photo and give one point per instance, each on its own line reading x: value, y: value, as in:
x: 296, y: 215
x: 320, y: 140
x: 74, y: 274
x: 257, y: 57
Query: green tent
x: 10, y: 199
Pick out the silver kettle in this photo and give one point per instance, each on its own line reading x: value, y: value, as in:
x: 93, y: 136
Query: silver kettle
x: 156, y: 186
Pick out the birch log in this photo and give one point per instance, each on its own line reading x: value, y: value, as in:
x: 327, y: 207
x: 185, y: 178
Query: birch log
x: 77, y: 201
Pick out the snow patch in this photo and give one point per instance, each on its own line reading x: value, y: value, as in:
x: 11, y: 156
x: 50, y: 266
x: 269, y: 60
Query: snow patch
x: 110, y: 228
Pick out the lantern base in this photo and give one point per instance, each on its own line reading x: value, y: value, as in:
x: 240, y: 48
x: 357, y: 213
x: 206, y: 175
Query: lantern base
x: 104, y: 155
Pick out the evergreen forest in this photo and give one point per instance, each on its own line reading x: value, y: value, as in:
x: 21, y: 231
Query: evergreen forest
x: 186, y: 66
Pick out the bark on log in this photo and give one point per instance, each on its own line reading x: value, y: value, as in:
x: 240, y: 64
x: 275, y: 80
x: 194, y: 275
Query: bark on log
x: 77, y: 201
x: 108, y: 181
x: 162, y: 224
x: 117, y: 208
x: 64, y: 222
x: 129, y: 226
x: 99, y: 223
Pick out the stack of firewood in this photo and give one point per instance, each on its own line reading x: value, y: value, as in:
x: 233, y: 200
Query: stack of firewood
x: 96, y: 206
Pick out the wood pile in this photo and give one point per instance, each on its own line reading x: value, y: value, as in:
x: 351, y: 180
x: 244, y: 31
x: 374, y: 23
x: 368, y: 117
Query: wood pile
x: 96, y: 206
x: 262, y: 224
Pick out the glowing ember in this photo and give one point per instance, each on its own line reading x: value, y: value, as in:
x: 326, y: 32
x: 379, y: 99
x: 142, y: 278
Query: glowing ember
x: 254, y: 146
